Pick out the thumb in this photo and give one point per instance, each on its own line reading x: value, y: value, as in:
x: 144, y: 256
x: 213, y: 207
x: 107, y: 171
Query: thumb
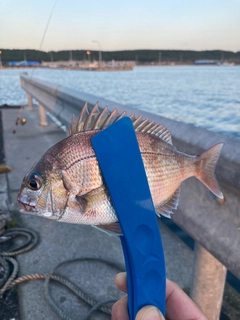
x: 149, y: 313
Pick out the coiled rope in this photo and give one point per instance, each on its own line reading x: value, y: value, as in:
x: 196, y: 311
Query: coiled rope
x: 8, y: 281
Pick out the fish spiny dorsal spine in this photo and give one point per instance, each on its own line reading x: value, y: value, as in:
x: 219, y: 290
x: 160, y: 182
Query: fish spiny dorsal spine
x: 98, y: 119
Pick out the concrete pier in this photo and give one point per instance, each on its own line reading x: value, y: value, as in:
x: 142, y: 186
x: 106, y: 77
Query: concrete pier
x: 60, y: 242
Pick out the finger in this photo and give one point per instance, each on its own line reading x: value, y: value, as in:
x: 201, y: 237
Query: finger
x: 149, y: 313
x: 180, y: 306
x: 121, y: 281
x: 120, y: 309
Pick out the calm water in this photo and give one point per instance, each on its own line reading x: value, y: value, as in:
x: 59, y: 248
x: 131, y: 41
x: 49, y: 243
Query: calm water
x: 207, y: 96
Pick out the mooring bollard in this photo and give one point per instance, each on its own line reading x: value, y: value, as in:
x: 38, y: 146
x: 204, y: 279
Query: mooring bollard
x: 209, y: 276
x: 42, y: 114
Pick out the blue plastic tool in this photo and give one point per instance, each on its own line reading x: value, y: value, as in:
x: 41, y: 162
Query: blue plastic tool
x: 120, y: 160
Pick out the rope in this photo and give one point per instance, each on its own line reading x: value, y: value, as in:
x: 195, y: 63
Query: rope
x: 4, y: 271
x: 30, y: 242
x: 8, y: 280
x: 101, y: 305
x: 96, y: 306
x: 11, y: 278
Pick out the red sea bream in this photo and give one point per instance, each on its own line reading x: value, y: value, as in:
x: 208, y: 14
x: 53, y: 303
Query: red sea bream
x: 66, y: 183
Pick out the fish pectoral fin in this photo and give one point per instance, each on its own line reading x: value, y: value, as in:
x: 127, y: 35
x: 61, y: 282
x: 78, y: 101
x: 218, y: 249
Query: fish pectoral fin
x: 95, y: 192
x: 166, y: 208
x: 98, y: 203
x: 81, y: 202
x: 95, y: 196
x: 112, y: 229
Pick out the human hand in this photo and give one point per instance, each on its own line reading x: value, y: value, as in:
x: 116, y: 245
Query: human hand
x: 178, y: 305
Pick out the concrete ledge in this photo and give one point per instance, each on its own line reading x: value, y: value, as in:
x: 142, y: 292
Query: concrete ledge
x: 63, y: 102
x: 215, y: 227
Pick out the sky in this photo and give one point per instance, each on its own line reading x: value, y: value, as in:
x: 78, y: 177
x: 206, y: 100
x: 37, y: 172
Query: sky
x: 120, y: 25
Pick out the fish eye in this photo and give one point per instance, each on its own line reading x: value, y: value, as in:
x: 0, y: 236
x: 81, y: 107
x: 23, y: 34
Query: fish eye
x: 34, y: 180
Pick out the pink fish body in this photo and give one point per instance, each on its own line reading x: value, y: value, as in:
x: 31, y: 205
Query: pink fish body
x: 66, y: 183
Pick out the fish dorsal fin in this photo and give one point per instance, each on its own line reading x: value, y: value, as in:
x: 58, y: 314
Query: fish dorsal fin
x: 96, y: 119
x: 166, y: 208
x: 151, y: 127
x: 162, y: 132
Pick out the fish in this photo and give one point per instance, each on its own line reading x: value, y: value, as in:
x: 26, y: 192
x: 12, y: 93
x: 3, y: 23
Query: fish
x: 66, y: 184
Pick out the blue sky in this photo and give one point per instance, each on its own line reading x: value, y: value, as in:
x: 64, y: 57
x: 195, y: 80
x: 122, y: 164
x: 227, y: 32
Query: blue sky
x: 120, y: 25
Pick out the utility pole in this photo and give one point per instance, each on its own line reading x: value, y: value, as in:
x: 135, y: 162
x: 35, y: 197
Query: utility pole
x: 88, y: 54
x: 51, y: 56
x: 222, y: 57
x: 181, y: 57
x: 159, y: 58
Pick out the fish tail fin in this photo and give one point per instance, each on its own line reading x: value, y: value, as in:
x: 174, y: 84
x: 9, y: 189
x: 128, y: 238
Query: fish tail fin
x: 207, y: 162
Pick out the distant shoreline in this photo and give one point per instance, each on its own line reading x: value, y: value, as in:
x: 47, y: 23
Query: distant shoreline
x: 132, y: 57
x: 102, y: 69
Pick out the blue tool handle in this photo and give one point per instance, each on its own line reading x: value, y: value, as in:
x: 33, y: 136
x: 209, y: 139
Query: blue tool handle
x: 122, y: 167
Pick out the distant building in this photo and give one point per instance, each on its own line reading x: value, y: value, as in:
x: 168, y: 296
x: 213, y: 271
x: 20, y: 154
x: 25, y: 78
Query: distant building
x: 24, y: 63
x: 207, y: 62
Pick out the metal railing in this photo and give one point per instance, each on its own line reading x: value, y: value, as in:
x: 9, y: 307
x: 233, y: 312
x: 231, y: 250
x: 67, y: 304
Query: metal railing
x: 214, y: 227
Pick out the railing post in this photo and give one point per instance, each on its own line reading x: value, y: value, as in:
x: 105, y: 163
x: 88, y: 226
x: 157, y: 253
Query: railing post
x: 42, y: 114
x: 209, y: 277
x: 30, y: 104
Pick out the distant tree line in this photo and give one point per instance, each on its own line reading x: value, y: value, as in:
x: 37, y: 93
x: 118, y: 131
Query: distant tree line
x: 140, y: 56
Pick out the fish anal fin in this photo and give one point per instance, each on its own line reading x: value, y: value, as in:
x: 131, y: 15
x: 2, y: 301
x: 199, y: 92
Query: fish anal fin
x: 112, y: 229
x: 166, y: 208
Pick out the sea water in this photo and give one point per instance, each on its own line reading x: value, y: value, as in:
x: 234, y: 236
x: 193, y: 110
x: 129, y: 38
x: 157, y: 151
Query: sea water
x: 205, y: 96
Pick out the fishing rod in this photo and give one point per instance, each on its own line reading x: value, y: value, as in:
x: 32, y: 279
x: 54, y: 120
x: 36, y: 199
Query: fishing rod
x: 24, y: 120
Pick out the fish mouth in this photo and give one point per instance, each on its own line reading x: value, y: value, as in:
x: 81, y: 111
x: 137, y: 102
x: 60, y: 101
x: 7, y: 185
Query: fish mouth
x: 31, y: 209
x: 26, y: 207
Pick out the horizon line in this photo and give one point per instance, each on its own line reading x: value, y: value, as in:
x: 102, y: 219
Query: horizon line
x: 1, y: 48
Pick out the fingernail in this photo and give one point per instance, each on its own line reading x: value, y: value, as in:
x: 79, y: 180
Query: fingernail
x: 152, y: 313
